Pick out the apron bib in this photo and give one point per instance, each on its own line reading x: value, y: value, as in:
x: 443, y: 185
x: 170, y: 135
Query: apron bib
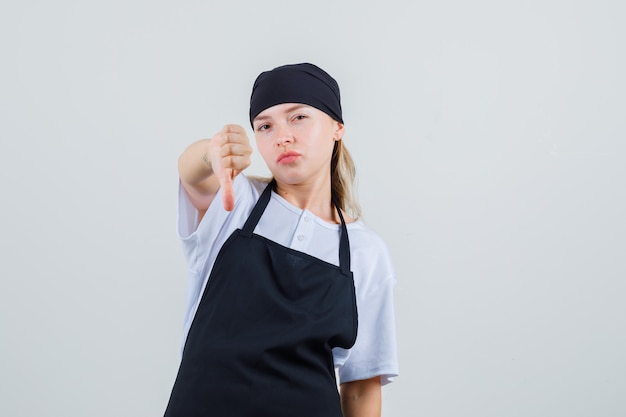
x: 261, y: 340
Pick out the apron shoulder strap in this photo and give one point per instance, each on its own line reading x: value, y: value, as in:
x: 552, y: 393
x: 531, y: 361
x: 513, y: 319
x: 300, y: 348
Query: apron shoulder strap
x: 257, y: 211
x: 344, y: 243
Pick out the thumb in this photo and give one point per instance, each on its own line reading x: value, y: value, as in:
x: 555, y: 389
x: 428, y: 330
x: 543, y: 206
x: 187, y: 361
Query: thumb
x: 228, y: 195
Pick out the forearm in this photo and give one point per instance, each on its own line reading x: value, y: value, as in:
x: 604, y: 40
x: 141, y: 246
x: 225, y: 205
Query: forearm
x: 194, y: 165
x: 197, y: 176
x: 361, y: 398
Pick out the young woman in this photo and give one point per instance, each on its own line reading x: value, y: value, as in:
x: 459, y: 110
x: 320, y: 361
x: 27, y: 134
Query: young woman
x: 275, y: 285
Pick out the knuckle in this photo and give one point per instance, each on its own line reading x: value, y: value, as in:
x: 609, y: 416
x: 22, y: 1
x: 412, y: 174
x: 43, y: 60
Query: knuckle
x: 227, y: 149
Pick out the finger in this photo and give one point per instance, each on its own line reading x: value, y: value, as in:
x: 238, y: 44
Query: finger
x: 228, y: 195
x: 234, y: 138
x: 235, y: 149
x: 222, y: 134
x: 234, y: 128
x: 236, y: 163
x: 223, y: 172
x: 233, y: 134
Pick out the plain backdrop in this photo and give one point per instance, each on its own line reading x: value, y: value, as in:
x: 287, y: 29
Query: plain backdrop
x: 490, y: 142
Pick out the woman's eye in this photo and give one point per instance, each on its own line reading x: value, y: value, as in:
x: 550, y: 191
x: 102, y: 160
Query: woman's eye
x: 300, y: 117
x: 263, y: 127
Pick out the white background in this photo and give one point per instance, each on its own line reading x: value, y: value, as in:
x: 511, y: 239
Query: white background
x: 490, y: 142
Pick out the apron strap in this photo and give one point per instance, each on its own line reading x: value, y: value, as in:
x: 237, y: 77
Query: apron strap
x: 257, y: 211
x: 344, y: 243
x: 259, y: 208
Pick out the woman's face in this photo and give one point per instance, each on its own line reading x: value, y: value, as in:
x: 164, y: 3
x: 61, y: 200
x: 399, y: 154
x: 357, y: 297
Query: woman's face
x: 296, y: 142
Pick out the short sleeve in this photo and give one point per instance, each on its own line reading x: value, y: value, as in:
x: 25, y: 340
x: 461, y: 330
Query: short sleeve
x: 375, y: 350
x: 187, y: 214
x: 199, y: 238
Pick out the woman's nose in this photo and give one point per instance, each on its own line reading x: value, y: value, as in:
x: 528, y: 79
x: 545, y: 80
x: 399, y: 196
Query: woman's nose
x: 283, y: 136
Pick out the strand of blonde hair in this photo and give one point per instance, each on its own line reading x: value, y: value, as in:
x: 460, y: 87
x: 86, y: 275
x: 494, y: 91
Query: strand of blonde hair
x: 343, y: 175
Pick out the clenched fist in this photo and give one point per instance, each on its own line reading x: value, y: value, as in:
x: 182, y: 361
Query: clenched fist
x: 229, y: 153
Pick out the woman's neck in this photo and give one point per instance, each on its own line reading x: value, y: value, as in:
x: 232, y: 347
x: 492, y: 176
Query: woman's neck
x: 314, y: 196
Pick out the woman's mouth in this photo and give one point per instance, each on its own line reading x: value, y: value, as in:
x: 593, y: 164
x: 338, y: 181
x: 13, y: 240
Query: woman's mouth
x: 288, y: 157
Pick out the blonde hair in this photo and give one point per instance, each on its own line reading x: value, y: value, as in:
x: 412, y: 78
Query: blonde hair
x: 342, y: 178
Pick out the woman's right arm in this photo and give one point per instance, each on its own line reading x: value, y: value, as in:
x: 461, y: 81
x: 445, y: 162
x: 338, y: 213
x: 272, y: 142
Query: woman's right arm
x: 210, y: 164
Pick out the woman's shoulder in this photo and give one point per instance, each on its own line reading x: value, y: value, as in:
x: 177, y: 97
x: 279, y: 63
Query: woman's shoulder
x: 371, y: 259
x: 258, y: 181
x: 365, y: 238
x: 247, y: 188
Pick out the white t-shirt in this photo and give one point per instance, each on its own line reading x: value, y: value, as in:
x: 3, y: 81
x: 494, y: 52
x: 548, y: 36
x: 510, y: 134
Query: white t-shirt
x: 374, y: 352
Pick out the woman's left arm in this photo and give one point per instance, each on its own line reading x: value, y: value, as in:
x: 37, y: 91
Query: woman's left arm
x: 361, y: 398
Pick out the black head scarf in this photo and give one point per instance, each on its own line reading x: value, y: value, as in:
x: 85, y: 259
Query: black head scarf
x: 298, y: 83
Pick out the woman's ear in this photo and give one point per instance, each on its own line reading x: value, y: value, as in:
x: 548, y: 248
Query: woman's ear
x: 339, y: 131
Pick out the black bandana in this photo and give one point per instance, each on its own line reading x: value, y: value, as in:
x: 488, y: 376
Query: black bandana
x: 298, y: 83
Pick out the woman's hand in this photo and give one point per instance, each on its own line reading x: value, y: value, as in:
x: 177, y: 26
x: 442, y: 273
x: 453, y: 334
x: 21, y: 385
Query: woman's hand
x: 229, y: 153
x: 208, y: 164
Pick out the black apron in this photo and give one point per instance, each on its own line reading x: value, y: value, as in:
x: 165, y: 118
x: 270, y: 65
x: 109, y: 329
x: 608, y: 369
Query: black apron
x: 261, y: 339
